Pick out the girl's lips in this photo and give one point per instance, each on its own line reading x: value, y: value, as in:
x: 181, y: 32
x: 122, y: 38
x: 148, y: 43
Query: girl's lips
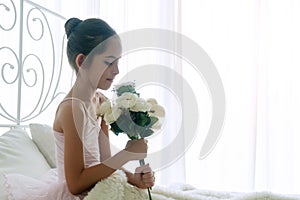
x: 110, y: 79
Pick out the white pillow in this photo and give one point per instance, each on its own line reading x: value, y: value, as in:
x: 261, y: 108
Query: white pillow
x: 43, y: 137
x: 18, y: 154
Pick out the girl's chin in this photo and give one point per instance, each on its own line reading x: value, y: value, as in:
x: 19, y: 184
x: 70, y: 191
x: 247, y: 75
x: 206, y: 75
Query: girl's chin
x: 104, y: 86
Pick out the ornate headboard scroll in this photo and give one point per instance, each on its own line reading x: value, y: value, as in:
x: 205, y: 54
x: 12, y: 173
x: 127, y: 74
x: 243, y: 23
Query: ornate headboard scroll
x: 33, y: 69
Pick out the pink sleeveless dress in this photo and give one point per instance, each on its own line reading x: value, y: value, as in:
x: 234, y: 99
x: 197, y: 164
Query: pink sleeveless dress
x: 52, y: 185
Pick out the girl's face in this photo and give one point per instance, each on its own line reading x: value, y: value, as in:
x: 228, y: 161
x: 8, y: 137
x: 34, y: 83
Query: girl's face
x: 104, y: 66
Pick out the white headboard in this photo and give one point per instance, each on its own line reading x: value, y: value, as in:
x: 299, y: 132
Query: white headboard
x: 34, y: 73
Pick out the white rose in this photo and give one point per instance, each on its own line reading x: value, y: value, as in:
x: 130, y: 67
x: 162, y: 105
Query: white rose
x: 126, y: 100
x: 116, y: 112
x: 105, y: 107
x: 109, y: 118
x: 113, y: 115
x: 141, y: 106
x: 157, y: 110
x: 152, y: 101
x: 157, y: 125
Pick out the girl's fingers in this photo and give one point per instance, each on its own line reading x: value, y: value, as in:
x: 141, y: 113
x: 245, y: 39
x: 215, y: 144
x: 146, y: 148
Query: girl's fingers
x: 148, y: 178
x: 143, y: 169
x: 149, y: 182
x: 101, y: 97
x: 147, y: 169
x: 148, y: 175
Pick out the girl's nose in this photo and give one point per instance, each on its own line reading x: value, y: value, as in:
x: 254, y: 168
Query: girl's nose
x: 116, y: 69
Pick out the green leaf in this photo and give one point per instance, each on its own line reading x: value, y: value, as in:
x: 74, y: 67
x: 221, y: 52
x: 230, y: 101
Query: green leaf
x: 115, y: 128
x: 140, y: 118
x: 124, y: 123
x: 126, y: 88
x: 133, y: 137
x: 153, y: 121
x: 146, y: 133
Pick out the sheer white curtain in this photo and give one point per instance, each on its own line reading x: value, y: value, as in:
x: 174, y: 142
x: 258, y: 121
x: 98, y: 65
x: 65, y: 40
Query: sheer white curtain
x: 255, y: 46
x: 130, y: 15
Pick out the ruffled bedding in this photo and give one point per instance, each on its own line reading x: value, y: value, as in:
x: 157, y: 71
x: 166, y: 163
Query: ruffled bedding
x: 116, y: 187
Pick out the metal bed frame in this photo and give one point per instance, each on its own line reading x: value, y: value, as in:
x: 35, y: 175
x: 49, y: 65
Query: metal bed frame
x: 30, y: 24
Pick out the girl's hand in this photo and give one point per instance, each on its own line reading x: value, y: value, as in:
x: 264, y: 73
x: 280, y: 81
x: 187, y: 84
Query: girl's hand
x: 100, y: 98
x: 143, y: 177
x: 136, y: 149
x: 96, y: 102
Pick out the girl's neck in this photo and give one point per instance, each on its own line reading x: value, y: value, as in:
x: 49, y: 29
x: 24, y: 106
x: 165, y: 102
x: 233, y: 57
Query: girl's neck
x: 82, y: 89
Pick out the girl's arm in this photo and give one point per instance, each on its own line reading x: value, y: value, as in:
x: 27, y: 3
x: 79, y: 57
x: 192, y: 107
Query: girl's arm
x: 103, y: 140
x: 71, y: 121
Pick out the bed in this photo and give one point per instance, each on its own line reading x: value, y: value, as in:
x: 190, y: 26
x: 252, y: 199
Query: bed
x: 30, y: 151
x: 26, y: 140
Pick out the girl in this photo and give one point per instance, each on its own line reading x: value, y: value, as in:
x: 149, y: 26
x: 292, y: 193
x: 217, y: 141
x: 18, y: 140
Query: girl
x: 93, y: 51
x: 82, y: 146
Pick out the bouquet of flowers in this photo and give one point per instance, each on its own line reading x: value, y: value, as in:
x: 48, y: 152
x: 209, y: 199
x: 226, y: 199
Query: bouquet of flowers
x: 131, y: 114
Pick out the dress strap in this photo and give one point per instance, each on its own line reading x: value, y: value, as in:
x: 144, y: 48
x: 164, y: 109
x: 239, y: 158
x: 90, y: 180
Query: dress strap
x: 71, y: 98
x: 81, y: 102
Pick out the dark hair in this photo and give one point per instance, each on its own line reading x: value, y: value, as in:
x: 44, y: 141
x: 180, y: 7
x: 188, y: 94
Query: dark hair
x: 84, y: 36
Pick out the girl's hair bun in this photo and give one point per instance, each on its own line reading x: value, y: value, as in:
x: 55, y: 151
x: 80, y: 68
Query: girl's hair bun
x: 70, y: 25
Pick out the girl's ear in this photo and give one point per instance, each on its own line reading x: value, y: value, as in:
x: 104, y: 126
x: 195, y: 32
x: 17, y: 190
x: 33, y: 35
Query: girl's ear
x: 79, y: 59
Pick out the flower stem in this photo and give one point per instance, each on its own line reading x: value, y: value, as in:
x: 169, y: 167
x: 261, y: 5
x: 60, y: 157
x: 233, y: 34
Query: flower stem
x: 149, y: 194
x: 142, y: 162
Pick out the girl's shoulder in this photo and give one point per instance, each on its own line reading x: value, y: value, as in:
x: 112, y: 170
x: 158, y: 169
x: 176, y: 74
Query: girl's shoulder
x: 70, y: 105
x: 67, y: 109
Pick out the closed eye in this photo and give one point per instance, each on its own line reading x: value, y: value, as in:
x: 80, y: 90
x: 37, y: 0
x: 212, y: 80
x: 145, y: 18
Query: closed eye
x: 108, y: 63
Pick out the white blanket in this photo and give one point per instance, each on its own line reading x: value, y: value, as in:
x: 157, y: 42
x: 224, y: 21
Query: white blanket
x: 116, y: 187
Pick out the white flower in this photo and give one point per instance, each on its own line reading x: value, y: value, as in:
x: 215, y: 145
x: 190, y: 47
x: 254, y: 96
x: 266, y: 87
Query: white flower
x: 105, y: 107
x: 97, y: 107
x: 152, y: 101
x: 157, y: 110
x: 157, y: 125
x: 112, y: 116
x: 126, y: 100
x: 116, y: 112
x: 141, y: 106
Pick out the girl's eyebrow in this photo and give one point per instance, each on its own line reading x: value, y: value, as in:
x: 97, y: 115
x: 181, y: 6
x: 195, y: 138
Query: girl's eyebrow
x: 113, y: 57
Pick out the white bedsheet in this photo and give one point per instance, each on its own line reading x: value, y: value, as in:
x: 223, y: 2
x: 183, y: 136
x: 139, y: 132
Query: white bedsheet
x: 116, y: 188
